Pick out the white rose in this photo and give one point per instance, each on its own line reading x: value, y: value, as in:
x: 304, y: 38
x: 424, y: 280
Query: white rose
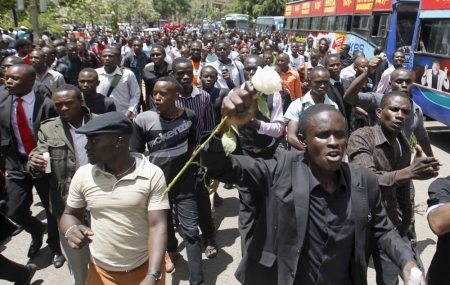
x: 266, y: 80
x: 416, y: 277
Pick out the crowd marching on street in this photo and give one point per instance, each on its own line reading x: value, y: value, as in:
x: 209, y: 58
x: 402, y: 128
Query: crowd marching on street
x: 100, y: 127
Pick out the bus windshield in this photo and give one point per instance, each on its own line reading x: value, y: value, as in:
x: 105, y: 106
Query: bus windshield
x: 242, y: 25
x: 405, y: 31
x: 230, y: 24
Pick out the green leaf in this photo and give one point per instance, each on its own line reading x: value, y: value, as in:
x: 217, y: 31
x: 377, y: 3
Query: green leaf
x: 235, y: 128
x: 229, y: 142
x: 262, y: 106
x: 246, y: 112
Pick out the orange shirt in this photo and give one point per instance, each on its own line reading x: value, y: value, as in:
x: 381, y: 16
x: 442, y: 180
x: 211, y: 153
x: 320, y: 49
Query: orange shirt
x: 196, y: 75
x: 291, y: 81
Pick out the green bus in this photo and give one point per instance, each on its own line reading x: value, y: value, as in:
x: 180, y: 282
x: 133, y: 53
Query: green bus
x: 238, y: 22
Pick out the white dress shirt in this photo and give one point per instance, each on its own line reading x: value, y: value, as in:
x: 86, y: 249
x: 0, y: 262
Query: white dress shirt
x: 126, y: 94
x: 348, y: 72
x: 28, y: 106
x: 79, y: 142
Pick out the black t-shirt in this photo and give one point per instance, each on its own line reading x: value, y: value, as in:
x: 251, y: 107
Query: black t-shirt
x: 168, y: 144
x: 439, y: 273
x: 100, y: 104
x: 217, y: 96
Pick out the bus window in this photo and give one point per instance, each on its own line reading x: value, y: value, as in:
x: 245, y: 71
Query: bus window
x: 435, y: 36
x: 315, y: 23
x: 288, y: 24
x: 343, y: 23
x: 361, y: 25
x: 303, y: 24
x: 380, y: 29
x: 405, y: 31
x: 327, y: 23
x: 295, y: 24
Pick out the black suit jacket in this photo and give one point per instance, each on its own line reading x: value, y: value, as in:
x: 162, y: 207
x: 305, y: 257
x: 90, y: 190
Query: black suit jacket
x: 273, y: 253
x: 12, y: 160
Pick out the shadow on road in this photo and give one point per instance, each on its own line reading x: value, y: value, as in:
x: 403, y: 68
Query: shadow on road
x: 422, y: 244
x: 440, y: 136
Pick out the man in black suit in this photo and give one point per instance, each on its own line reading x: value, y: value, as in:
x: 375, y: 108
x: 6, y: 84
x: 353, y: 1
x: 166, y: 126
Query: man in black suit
x: 319, y: 213
x: 21, y: 112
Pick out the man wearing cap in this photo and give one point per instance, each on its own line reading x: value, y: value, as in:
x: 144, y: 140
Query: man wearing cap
x: 124, y: 192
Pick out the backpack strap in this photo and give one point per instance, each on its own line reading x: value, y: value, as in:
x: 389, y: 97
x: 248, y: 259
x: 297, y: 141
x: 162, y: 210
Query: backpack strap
x: 115, y: 82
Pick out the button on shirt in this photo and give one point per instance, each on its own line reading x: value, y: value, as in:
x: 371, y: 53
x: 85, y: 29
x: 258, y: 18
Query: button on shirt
x: 28, y: 106
x: 52, y: 79
x: 126, y: 94
x: 291, y: 81
x: 298, y: 106
x: 235, y: 68
x: 79, y: 142
x: 328, y: 247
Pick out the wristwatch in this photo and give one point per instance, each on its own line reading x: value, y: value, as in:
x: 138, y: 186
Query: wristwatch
x: 155, y: 273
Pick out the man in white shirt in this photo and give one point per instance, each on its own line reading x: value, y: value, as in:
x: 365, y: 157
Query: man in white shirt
x: 384, y: 85
x: 296, y: 59
x: 350, y: 71
x: 126, y: 93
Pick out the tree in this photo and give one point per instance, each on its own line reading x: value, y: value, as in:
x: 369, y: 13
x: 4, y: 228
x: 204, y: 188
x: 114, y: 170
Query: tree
x: 168, y: 7
x: 196, y: 14
x: 256, y: 8
x: 212, y: 15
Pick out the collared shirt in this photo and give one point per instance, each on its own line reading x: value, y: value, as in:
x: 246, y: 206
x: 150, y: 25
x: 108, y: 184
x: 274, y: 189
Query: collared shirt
x: 385, y: 80
x: 151, y: 75
x: 291, y: 81
x: 369, y: 148
x: 28, y: 106
x: 136, y: 64
x: 200, y: 102
x: 175, y: 53
x: 235, y: 68
x: 346, y: 61
x: 126, y: 94
x: 146, y: 49
x: 298, y: 106
x: 327, y: 250
x: 52, y: 79
x: 348, y: 72
x: 371, y: 101
x: 168, y: 57
x: 119, y: 211
x: 211, y: 57
x: 126, y: 50
x: 79, y: 142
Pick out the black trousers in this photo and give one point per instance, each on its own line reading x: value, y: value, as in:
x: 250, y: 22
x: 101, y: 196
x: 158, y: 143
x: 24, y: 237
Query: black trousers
x: 12, y: 271
x: 187, y: 211
x: 19, y: 198
x: 204, y: 207
x: 250, y: 203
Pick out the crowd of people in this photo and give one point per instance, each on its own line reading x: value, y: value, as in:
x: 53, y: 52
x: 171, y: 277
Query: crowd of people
x: 100, y: 128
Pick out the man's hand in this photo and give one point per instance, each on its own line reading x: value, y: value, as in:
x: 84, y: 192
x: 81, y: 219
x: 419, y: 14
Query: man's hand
x: 38, y: 163
x: 226, y: 74
x: 148, y: 280
x: 236, y: 102
x: 254, y: 123
x: 423, y: 168
x: 79, y: 237
x: 406, y: 272
x: 128, y: 114
x: 426, y: 69
x: 374, y: 63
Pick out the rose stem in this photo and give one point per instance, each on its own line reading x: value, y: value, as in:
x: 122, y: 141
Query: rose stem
x: 196, y: 152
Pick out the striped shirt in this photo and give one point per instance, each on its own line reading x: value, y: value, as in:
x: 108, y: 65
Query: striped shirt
x: 200, y: 103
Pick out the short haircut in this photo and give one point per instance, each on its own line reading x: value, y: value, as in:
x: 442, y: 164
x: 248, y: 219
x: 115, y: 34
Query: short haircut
x: 196, y: 43
x: 222, y: 42
x: 114, y: 50
x: 267, y: 53
x: 378, y: 50
x: 70, y: 87
x: 29, y: 70
x: 318, y: 69
x: 50, y: 49
x: 268, y: 45
x: 21, y: 43
x: 401, y: 69
x: 397, y: 51
x: 89, y: 70
x: 71, y: 45
x: 136, y: 40
x: 160, y: 47
x: 309, y: 38
x: 82, y: 42
x: 178, y: 86
x: 346, y: 46
x: 388, y: 95
x: 180, y: 60
x: 208, y: 67
x: 259, y: 60
x: 179, y: 39
x: 13, y: 59
x: 330, y: 56
x: 324, y: 39
x: 306, y: 116
x: 59, y: 43
x: 358, y: 52
x: 315, y: 51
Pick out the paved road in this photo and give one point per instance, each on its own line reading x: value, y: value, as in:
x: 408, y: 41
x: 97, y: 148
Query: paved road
x: 221, y: 269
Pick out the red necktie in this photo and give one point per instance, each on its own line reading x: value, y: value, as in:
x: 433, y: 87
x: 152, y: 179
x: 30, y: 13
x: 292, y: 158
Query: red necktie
x: 24, y: 129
